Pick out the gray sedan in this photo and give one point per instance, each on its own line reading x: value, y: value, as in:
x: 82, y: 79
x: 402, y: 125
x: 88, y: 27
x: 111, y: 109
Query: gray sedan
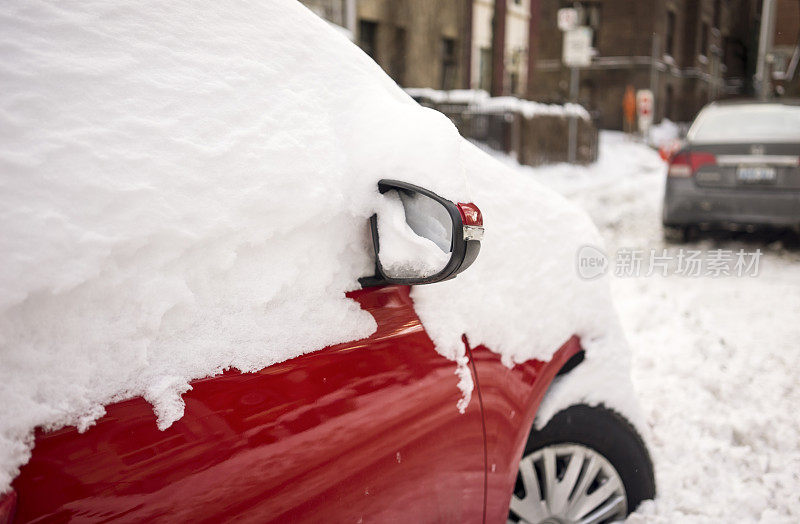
x: 739, y: 169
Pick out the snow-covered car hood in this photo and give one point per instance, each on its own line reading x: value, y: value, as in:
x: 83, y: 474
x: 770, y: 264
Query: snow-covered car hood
x: 187, y: 190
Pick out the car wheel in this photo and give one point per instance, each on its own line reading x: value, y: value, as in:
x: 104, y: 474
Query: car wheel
x: 586, y: 465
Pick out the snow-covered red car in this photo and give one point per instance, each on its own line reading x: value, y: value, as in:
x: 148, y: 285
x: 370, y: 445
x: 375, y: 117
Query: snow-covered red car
x: 247, y: 278
x: 360, y: 431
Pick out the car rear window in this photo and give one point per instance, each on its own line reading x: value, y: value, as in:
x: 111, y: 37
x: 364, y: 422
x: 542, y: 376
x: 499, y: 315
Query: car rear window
x: 747, y: 123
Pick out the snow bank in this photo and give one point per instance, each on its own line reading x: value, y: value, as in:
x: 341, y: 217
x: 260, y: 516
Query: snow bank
x: 187, y: 189
x: 455, y: 96
x: 530, y: 109
x: 480, y: 102
x: 664, y: 133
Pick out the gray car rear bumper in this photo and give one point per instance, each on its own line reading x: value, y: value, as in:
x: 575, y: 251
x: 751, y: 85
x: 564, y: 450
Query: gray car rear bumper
x: 686, y: 204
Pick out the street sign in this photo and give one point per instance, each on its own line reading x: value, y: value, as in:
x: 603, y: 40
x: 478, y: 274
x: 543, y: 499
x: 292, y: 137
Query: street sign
x: 577, y: 50
x: 644, y: 109
x: 567, y: 18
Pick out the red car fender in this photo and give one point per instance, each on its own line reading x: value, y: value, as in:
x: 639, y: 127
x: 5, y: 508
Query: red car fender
x: 510, y: 399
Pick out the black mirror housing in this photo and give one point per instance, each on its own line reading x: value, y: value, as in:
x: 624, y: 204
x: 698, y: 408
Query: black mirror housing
x: 466, y: 237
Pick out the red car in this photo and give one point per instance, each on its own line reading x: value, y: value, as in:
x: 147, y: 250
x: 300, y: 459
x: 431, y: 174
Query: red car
x: 366, y: 431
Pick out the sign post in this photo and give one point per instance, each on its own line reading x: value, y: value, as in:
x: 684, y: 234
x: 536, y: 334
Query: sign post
x: 577, y: 52
x: 572, y: 143
x: 644, y: 111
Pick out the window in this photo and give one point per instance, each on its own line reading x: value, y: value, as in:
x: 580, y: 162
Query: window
x: 517, y: 61
x: 398, y: 66
x: 366, y: 36
x: 669, y: 47
x: 704, y: 39
x: 448, y: 63
x: 668, y: 103
x: 485, y: 69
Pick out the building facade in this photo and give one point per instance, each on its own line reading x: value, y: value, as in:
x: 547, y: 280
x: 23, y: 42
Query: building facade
x: 688, y: 52
x: 341, y: 13
x: 441, y: 44
x: 499, y: 51
x: 784, y: 49
x: 419, y: 43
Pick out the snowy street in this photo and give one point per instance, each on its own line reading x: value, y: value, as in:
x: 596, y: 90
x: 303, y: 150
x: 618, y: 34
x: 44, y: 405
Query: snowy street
x: 715, y: 360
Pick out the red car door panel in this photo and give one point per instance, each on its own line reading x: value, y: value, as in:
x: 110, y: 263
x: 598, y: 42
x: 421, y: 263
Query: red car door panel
x: 363, y: 431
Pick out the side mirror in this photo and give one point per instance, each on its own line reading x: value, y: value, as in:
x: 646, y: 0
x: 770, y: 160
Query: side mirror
x: 420, y: 237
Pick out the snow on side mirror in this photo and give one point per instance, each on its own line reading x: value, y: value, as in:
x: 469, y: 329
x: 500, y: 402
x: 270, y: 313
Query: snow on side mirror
x: 420, y: 237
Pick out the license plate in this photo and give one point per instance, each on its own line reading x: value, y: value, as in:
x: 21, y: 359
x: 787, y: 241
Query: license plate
x: 756, y: 174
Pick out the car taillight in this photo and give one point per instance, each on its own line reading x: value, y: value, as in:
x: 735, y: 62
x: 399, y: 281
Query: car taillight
x: 684, y: 165
x: 8, y: 505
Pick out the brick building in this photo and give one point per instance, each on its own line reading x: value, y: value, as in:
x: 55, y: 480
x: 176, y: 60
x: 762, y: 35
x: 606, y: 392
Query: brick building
x: 688, y: 52
x: 420, y: 43
x: 784, y: 49
x: 341, y: 13
x: 441, y: 44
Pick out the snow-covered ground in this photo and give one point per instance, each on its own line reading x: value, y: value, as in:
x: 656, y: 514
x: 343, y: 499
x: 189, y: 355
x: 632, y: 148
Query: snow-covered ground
x: 716, y: 361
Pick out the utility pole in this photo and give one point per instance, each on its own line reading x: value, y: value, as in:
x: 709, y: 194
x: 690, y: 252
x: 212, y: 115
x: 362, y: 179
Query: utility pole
x: 762, y: 81
x: 572, y: 144
x: 654, y: 69
x: 533, y: 45
x: 498, y: 47
x: 576, y: 53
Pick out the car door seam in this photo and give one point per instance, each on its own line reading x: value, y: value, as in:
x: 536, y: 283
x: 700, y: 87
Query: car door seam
x: 483, y: 427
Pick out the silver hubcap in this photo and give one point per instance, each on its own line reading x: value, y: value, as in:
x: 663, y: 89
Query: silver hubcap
x: 566, y: 484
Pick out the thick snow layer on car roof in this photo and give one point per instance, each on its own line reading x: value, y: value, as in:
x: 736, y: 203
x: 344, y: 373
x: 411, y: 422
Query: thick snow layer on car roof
x: 187, y: 189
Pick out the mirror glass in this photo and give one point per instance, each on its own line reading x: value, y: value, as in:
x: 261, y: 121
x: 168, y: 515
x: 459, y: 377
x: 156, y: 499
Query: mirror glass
x: 415, y: 234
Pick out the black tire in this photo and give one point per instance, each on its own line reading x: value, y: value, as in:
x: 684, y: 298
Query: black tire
x: 609, y: 434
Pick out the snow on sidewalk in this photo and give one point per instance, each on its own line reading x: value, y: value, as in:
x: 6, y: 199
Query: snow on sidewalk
x: 715, y: 360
